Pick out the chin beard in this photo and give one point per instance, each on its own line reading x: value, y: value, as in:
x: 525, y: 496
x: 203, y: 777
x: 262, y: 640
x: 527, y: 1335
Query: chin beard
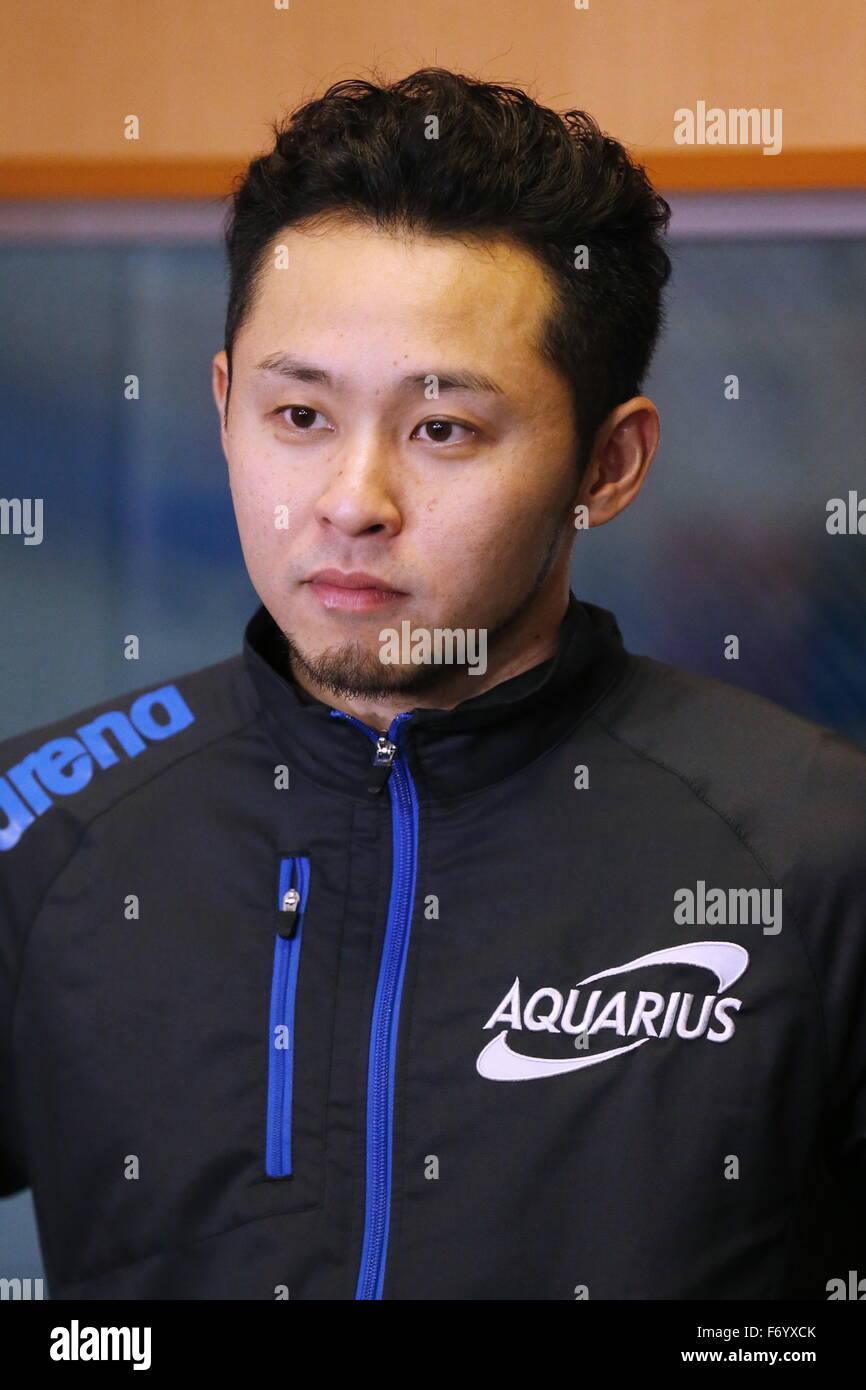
x: 353, y: 672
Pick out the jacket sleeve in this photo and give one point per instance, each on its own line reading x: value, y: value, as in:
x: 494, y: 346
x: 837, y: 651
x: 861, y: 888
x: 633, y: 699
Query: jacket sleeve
x: 831, y: 908
x: 845, y: 1137
x: 13, y: 1176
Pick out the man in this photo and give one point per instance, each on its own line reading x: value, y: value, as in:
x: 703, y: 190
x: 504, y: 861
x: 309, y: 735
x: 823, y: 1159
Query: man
x: 435, y: 946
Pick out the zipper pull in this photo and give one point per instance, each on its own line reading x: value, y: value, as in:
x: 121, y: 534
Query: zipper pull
x: 289, y: 914
x: 382, y: 763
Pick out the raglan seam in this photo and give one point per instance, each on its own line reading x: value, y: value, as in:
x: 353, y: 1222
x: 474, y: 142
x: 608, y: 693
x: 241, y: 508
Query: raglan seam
x: 58, y: 727
x: 744, y: 841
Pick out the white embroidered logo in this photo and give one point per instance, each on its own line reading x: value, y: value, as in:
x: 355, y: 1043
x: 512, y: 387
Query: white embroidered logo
x: 547, y: 1010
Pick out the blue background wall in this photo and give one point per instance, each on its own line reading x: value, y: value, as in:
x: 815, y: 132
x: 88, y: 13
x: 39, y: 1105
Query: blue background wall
x: 728, y: 535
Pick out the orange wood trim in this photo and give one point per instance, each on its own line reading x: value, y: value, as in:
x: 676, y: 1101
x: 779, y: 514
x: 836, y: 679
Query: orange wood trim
x: 693, y: 170
x: 705, y: 171
x: 118, y: 178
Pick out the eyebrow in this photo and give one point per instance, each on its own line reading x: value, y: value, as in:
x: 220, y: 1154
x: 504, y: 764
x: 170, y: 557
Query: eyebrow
x: 291, y: 368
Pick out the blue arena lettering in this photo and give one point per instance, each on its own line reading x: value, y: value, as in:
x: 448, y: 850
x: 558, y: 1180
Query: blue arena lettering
x: 179, y: 713
x: 14, y: 813
x: 64, y: 766
x: 23, y: 775
x: 92, y: 735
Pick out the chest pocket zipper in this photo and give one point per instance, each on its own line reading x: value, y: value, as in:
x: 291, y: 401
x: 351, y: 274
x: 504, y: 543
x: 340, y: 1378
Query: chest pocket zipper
x: 292, y: 891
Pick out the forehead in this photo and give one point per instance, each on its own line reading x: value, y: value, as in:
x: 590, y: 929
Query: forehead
x: 344, y: 286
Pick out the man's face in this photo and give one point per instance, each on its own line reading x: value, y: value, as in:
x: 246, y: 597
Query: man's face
x: 462, y: 502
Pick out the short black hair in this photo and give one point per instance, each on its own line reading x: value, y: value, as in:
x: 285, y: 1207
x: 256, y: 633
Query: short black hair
x: 500, y: 165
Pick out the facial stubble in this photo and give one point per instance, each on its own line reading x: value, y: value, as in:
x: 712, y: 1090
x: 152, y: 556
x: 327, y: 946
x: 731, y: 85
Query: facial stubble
x: 351, y: 670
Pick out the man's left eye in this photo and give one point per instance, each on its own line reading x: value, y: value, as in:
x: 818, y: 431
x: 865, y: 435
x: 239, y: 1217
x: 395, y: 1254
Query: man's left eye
x: 447, y: 426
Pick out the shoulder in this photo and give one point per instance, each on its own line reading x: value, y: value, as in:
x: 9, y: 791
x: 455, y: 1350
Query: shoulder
x: 792, y: 789
x: 699, y: 720
x: 56, y: 778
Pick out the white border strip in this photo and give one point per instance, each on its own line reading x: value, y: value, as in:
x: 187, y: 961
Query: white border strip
x: 695, y: 217
x: 700, y: 216
x: 96, y: 220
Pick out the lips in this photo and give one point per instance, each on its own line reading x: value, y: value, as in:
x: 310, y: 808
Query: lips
x: 354, y: 592
x: 354, y: 579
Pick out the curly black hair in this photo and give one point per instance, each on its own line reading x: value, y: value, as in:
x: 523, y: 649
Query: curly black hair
x: 498, y: 165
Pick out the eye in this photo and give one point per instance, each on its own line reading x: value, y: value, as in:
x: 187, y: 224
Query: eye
x: 446, y: 425
x: 302, y: 417
x: 301, y: 420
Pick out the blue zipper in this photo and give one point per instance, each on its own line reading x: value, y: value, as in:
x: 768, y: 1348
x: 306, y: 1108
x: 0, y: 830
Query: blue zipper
x: 292, y: 891
x: 386, y: 1005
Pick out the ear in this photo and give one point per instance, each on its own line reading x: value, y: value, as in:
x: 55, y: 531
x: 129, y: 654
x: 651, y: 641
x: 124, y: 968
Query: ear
x: 624, y: 447
x: 220, y: 388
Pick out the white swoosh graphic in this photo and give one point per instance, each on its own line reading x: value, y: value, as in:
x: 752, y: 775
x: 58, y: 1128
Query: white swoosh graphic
x: 497, y: 1062
x: 726, y: 959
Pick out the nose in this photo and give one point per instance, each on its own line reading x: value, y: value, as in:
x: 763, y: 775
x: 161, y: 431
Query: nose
x: 359, y: 495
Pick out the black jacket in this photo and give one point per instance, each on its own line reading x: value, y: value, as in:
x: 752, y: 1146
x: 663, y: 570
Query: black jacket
x: 561, y: 993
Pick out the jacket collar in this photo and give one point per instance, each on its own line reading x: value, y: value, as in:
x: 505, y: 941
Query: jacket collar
x: 453, y: 752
